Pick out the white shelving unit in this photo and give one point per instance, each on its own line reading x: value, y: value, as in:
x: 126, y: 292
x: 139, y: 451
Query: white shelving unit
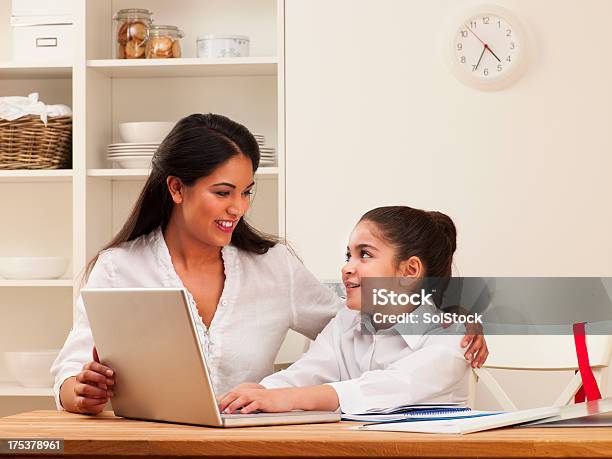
x: 185, y: 67
x: 12, y: 71
x: 135, y: 174
x: 10, y: 389
x: 36, y: 283
x: 23, y: 176
x: 73, y: 213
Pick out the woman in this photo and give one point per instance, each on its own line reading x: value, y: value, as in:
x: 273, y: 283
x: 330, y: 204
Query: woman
x: 187, y: 230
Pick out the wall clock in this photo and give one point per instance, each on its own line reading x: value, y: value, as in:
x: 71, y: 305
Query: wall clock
x: 488, y: 47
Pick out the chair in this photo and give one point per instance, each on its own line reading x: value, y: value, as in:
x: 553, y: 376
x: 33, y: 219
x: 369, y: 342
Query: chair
x: 545, y: 353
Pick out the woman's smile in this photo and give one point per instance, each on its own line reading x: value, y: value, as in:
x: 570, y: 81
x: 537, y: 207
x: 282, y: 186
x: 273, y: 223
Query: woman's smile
x: 227, y: 226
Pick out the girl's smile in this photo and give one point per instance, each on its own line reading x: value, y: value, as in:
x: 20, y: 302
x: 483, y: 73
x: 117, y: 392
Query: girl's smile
x: 367, y: 255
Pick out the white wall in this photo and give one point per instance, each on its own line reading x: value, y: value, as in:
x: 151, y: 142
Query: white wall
x: 375, y: 118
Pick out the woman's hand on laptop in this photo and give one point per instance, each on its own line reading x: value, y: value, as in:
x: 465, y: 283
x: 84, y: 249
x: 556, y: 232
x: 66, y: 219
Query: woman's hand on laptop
x: 90, y: 390
x: 93, y: 388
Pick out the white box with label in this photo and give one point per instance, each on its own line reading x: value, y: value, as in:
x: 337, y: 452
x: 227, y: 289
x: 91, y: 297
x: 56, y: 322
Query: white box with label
x: 43, y: 42
x: 43, y: 8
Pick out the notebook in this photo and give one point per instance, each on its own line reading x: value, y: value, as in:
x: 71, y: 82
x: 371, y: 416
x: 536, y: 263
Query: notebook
x: 419, y: 414
x: 408, y: 408
x: 466, y: 425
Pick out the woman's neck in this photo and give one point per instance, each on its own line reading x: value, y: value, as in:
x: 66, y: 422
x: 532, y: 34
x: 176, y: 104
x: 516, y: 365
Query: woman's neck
x: 187, y: 250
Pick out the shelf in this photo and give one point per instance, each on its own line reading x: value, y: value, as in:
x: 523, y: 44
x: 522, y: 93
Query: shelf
x: 185, y: 67
x: 55, y: 175
x: 119, y: 174
x: 138, y: 174
x: 36, y: 283
x: 14, y: 389
x: 20, y: 71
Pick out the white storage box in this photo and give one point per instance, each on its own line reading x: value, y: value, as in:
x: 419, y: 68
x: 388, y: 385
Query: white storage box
x: 43, y: 7
x: 43, y: 39
x: 219, y: 46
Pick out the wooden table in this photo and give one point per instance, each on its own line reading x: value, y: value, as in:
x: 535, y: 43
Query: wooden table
x: 108, y: 436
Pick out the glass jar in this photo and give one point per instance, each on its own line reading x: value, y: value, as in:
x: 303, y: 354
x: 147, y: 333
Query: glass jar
x: 164, y: 42
x: 130, y: 32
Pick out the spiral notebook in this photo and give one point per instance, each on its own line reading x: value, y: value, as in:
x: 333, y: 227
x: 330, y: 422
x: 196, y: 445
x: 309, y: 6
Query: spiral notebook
x: 431, y: 413
x: 465, y: 425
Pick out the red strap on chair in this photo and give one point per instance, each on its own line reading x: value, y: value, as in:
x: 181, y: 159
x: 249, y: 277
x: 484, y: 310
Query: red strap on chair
x: 589, y: 384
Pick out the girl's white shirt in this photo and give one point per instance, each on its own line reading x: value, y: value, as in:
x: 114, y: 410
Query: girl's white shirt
x: 378, y: 370
x: 263, y: 297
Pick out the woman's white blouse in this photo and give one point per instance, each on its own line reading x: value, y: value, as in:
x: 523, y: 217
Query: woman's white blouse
x: 381, y: 370
x: 263, y: 297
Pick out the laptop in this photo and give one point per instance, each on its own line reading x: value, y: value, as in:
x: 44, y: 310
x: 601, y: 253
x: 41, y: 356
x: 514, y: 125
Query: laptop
x: 148, y: 336
x: 594, y: 413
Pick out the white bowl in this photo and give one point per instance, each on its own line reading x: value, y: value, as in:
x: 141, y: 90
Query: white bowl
x: 31, y: 369
x: 132, y: 162
x: 32, y: 267
x: 145, y: 131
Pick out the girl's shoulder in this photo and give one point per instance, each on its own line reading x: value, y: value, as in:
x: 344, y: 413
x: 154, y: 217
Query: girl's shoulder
x: 347, y: 319
x: 450, y: 338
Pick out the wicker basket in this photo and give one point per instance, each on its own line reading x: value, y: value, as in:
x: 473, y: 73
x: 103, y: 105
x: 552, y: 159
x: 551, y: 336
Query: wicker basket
x: 26, y: 143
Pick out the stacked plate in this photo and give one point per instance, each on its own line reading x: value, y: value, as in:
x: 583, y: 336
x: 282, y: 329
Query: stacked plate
x: 261, y: 140
x: 267, y: 154
x: 131, y: 155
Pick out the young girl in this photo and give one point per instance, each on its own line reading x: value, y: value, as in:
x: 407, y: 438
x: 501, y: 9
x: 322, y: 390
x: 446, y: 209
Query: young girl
x: 355, y: 371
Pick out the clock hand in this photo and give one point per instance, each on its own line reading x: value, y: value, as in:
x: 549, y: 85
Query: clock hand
x: 491, y: 51
x: 473, y: 33
x: 480, y: 58
x: 485, y: 44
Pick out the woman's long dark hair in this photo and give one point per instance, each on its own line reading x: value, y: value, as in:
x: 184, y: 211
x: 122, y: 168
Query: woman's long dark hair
x: 195, y: 147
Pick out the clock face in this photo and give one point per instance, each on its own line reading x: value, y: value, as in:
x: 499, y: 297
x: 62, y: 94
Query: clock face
x: 487, y: 48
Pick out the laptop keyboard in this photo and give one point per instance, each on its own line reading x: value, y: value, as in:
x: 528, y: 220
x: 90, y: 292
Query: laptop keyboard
x: 261, y: 414
x: 238, y: 414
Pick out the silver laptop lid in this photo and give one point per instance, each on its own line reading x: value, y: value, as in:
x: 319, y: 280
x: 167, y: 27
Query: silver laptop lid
x: 594, y: 412
x: 148, y: 336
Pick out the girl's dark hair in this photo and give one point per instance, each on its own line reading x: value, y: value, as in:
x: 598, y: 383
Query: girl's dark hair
x: 195, y: 147
x: 431, y: 236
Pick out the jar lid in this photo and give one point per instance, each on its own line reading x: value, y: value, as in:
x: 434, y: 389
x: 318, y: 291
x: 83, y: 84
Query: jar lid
x: 165, y: 29
x: 133, y: 13
x: 215, y: 37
